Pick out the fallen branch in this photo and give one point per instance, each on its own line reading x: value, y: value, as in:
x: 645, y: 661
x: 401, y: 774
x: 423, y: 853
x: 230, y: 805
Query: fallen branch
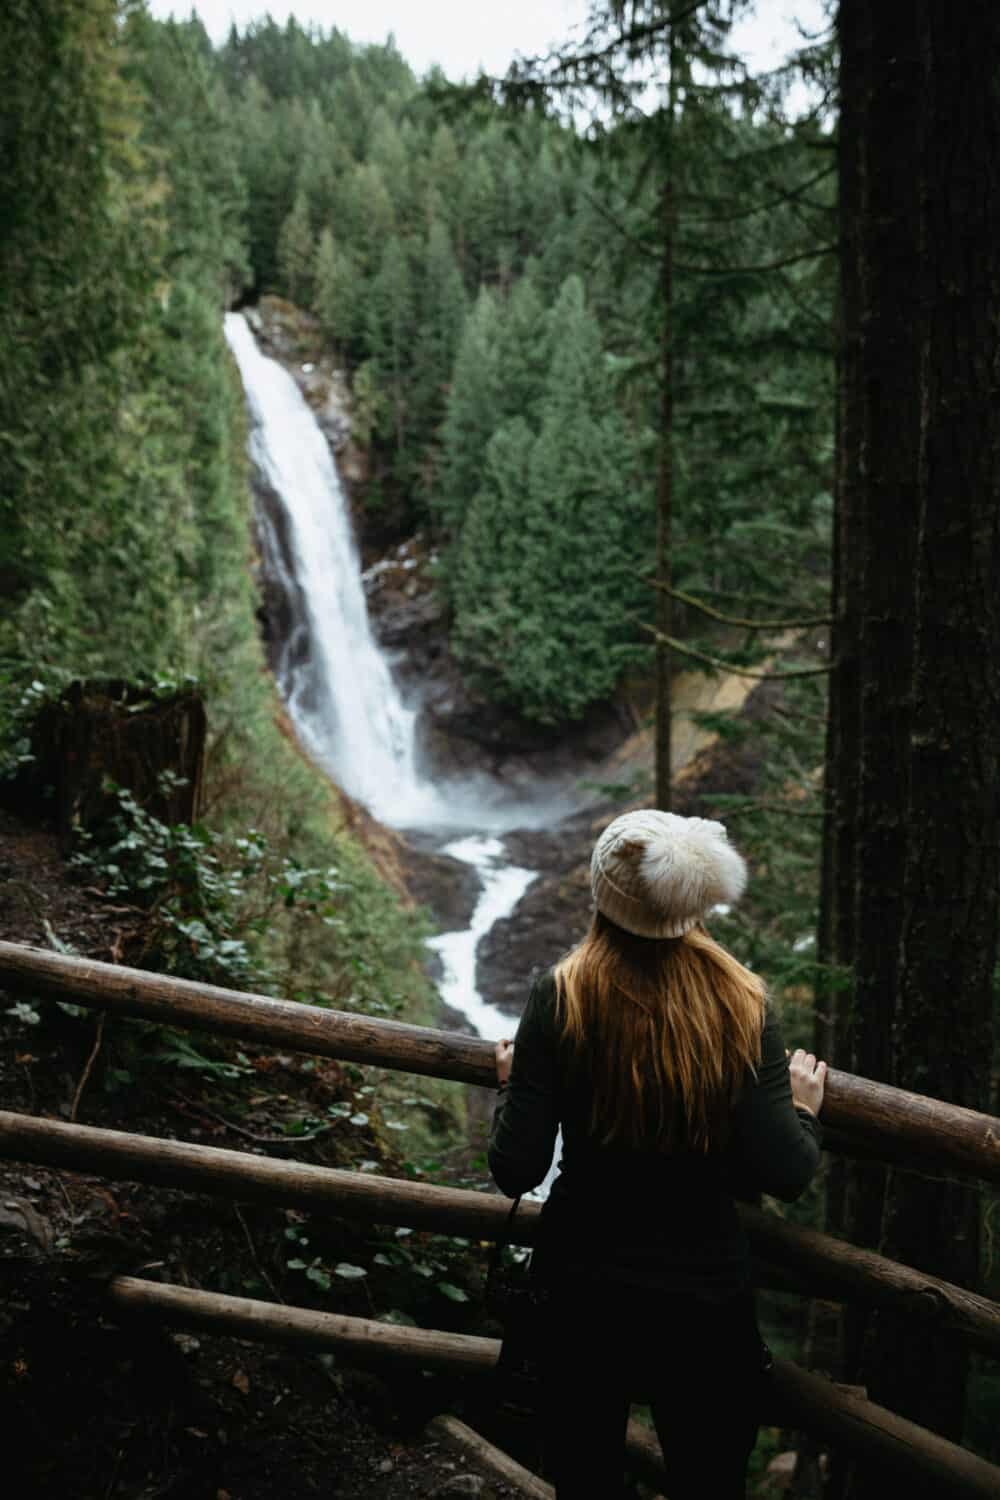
x: 273, y: 1142
x: 724, y: 619
x: 88, y: 1066
x: 719, y: 665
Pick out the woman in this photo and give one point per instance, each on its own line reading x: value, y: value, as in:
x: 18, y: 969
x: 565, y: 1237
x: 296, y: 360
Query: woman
x: 653, y: 1049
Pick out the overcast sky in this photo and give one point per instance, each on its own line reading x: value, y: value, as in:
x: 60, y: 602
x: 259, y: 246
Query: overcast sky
x: 466, y: 35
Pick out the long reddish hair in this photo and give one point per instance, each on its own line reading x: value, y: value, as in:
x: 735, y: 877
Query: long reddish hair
x: 666, y: 1029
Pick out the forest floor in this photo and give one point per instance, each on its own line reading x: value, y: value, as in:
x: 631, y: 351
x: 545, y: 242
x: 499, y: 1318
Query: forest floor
x: 100, y: 1408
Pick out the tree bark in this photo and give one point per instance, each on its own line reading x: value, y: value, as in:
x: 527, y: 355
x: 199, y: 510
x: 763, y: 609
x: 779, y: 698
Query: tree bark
x: 665, y: 465
x: 886, y: 389
x: 951, y: 875
x: 919, y: 506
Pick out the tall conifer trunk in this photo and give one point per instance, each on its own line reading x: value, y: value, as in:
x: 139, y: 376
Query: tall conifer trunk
x: 887, y: 411
x: 916, y: 695
x: 665, y: 467
x: 951, y: 874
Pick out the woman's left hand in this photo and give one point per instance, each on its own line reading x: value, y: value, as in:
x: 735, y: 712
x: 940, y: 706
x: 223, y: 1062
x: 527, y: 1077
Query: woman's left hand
x: 505, y: 1058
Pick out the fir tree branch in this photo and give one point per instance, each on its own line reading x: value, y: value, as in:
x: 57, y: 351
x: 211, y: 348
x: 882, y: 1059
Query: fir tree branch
x: 715, y: 614
x: 791, y: 196
x: 637, y: 244
x: 719, y: 665
x: 636, y: 35
x: 771, y: 265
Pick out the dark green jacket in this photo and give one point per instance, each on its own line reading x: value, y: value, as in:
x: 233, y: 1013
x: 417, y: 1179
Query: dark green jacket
x: 644, y: 1217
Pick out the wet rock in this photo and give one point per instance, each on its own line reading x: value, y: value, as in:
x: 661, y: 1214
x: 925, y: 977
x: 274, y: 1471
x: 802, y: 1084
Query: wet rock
x: 448, y: 887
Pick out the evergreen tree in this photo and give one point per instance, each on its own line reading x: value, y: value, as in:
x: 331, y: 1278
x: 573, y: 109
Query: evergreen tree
x: 444, y: 176
x: 545, y: 610
x: 471, y: 417
x: 523, y: 350
x: 390, y: 317
x: 77, y: 261
x: 297, y: 251
x: 442, y: 313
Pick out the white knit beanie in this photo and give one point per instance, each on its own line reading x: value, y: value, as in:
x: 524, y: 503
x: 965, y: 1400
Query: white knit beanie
x: 657, y: 874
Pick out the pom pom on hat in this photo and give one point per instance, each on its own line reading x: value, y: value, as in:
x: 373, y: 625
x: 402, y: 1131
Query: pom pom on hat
x: 657, y: 874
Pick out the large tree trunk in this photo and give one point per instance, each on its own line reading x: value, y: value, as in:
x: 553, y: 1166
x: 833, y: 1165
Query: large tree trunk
x: 917, y: 620
x: 663, y: 790
x: 885, y: 378
x: 951, y: 877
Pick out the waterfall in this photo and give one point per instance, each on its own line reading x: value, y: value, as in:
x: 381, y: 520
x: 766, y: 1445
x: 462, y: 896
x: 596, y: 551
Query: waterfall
x: 335, y: 681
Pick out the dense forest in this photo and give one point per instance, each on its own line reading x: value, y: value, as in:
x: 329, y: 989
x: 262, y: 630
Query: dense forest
x: 664, y: 378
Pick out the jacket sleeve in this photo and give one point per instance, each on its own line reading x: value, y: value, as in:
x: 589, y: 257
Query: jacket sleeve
x: 526, y: 1117
x: 774, y: 1146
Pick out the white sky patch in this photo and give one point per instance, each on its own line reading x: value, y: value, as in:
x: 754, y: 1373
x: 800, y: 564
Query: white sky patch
x: 463, y: 38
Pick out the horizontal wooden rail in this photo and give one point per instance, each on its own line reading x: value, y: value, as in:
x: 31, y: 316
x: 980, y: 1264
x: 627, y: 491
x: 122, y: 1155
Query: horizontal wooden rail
x: 923, y: 1133
x: 251, y: 1018
x: 826, y: 1266
x: 257, y: 1179
x: 846, y: 1419
x: 366, y: 1341
x: 804, y: 1401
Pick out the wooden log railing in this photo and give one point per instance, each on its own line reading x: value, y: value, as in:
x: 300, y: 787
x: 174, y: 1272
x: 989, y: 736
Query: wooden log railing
x: 865, y: 1117
x: 826, y: 1266
x: 922, y: 1132
x: 802, y: 1400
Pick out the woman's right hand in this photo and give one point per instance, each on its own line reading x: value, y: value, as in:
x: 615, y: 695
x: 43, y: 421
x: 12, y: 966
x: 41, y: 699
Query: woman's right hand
x: 808, y: 1077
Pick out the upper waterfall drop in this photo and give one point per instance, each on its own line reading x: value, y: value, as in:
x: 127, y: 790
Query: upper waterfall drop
x: 332, y: 674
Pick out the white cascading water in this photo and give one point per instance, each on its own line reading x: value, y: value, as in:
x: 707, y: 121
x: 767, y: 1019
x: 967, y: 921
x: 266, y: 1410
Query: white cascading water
x: 336, y: 683
x: 502, y: 888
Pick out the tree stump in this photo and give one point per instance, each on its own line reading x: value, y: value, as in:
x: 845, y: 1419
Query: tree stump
x: 101, y: 735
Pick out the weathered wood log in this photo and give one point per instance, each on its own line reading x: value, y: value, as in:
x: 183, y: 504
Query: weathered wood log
x: 462, y: 1439
x: 255, y: 1179
x: 364, y: 1340
x: 829, y: 1267
x: 824, y: 1265
x: 802, y: 1400
x: 911, y: 1129
x: 252, y: 1018
x: 918, y: 1131
x: 846, y: 1419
